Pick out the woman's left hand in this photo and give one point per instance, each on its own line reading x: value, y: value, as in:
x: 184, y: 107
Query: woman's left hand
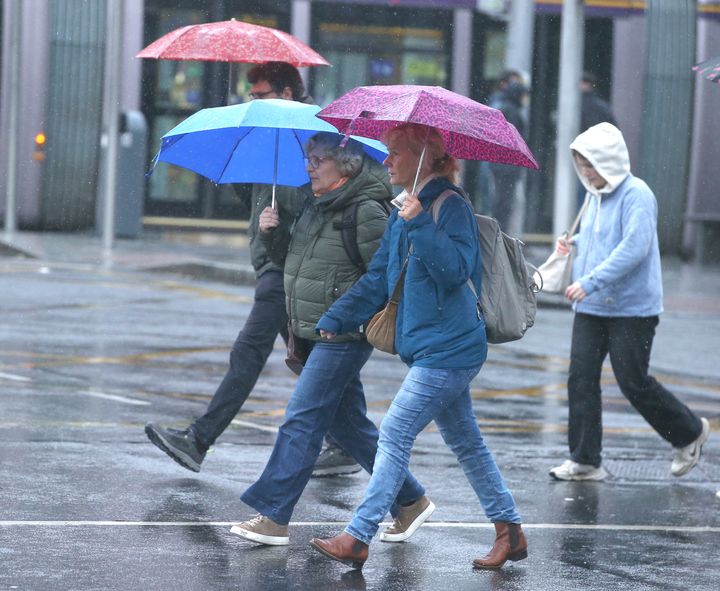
x: 410, y: 208
x: 575, y: 292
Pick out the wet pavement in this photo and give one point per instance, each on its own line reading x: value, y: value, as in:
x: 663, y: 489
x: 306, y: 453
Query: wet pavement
x: 94, y: 346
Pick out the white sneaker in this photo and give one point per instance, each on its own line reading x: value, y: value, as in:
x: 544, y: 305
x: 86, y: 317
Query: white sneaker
x: 570, y: 470
x: 685, y: 458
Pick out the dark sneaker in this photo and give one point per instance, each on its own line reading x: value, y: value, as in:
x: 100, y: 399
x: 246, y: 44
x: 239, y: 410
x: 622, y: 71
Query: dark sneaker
x: 262, y: 530
x: 333, y: 461
x: 686, y: 458
x: 180, y: 444
x: 408, y: 520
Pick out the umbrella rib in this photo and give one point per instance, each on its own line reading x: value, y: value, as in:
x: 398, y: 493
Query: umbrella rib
x: 297, y: 139
x: 232, y: 153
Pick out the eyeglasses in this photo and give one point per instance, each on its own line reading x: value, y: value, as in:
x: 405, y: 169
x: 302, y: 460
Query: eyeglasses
x: 261, y: 95
x: 315, y: 161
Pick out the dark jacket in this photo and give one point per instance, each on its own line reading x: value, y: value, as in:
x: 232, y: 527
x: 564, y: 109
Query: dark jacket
x: 594, y: 110
x: 510, y: 103
x: 318, y: 269
x: 289, y: 201
x: 437, y: 321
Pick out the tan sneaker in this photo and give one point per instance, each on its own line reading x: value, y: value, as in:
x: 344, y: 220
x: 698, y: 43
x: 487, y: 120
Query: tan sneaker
x: 262, y: 530
x: 408, y: 520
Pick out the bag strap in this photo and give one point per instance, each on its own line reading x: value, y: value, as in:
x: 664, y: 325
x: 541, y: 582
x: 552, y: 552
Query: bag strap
x: 348, y: 232
x: 435, y: 211
x: 398, y: 289
x: 571, y: 232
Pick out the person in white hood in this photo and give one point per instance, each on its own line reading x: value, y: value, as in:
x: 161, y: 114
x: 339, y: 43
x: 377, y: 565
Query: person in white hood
x: 617, y: 297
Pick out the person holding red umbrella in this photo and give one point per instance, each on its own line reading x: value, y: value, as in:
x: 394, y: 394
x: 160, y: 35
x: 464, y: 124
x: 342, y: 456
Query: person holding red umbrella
x: 267, y: 317
x: 439, y: 333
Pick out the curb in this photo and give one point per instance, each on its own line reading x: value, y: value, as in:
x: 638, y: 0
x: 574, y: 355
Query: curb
x: 222, y: 273
x: 14, y: 251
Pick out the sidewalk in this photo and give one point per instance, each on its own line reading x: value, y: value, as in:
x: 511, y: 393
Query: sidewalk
x: 690, y: 288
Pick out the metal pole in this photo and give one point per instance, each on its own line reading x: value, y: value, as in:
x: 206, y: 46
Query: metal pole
x: 568, y: 112
x: 462, y: 50
x: 300, y: 27
x: 13, y: 112
x: 519, y: 52
x: 113, y: 70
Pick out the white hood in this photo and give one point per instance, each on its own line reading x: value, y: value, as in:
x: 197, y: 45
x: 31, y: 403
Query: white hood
x: 604, y: 147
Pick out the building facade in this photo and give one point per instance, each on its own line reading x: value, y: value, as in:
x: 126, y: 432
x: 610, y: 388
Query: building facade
x: 641, y: 53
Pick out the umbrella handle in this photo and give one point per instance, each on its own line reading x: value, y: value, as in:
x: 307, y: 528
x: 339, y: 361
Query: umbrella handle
x: 275, y: 166
x: 417, y: 173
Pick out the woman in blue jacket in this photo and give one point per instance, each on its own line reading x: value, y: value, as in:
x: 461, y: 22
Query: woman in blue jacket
x: 439, y: 333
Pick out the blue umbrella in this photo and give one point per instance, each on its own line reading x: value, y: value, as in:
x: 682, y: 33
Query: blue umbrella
x: 257, y: 142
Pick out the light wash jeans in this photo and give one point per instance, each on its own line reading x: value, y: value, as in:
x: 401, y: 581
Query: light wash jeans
x: 328, y: 397
x: 442, y: 395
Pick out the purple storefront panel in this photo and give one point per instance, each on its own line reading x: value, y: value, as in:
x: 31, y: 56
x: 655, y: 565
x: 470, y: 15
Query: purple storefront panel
x: 411, y: 3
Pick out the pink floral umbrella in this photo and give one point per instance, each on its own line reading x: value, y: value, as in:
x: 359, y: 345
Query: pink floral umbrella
x: 471, y: 130
x: 233, y: 41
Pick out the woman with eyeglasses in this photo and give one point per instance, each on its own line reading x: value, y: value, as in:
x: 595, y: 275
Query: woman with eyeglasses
x: 346, y: 192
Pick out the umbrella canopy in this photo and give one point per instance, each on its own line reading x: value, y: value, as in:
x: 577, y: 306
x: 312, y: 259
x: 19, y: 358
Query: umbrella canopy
x: 710, y: 69
x: 471, y: 130
x: 233, y: 41
x: 257, y: 142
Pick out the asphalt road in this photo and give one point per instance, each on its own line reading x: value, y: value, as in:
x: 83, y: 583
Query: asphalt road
x: 87, y: 356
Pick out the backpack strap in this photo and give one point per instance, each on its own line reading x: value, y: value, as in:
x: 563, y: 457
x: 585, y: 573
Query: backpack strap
x: 348, y: 232
x: 435, y: 211
x: 386, y: 205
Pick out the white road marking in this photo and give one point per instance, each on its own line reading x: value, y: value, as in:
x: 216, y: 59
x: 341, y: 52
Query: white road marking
x: 117, y: 398
x: 13, y: 377
x: 431, y: 524
x: 257, y: 426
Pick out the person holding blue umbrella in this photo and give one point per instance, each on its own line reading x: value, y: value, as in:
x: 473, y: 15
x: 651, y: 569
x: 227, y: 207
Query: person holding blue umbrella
x: 267, y: 318
x: 329, y: 395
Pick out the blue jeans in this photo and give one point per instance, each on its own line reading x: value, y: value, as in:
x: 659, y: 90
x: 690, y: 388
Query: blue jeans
x: 328, y: 397
x: 442, y: 395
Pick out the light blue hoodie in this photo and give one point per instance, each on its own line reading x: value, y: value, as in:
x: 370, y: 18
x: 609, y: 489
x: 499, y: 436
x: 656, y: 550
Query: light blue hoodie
x: 618, y: 259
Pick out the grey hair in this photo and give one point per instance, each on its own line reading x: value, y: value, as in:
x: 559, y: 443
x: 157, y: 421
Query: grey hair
x: 348, y: 160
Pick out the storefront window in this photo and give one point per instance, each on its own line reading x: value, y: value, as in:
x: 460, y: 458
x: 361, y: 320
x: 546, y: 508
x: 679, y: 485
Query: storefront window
x: 494, y: 54
x: 179, y: 83
x: 364, y: 55
x: 167, y: 182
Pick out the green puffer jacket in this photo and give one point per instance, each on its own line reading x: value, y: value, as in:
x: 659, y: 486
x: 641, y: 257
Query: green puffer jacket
x: 318, y: 269
x: 289, y: 203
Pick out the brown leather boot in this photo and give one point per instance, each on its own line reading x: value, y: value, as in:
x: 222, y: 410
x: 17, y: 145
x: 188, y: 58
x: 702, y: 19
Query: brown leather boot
x: 510, y: 544
x: 343, y: 548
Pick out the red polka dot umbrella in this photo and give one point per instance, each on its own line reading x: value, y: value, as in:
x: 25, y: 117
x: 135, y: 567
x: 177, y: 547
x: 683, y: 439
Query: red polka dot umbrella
x: 233, y: 41
x: 710, y: 69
